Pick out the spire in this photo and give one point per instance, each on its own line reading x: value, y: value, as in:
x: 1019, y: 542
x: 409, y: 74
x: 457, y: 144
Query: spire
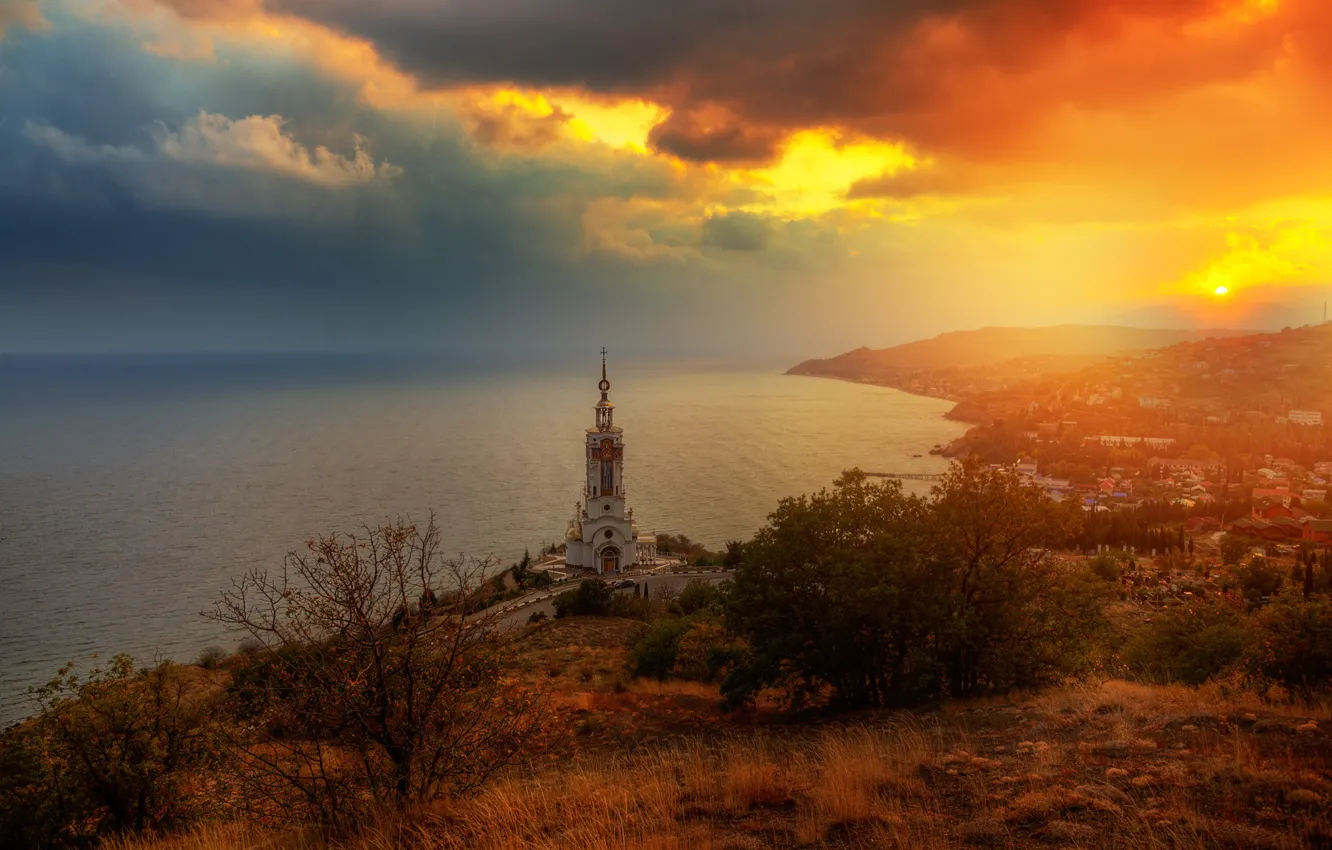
x: 604, y: 407
x: 604, y: 385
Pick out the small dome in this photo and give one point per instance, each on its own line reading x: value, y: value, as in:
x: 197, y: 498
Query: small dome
x: 574, y: 533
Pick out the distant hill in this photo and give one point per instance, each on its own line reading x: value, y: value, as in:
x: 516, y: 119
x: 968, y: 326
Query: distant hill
x: 991, y: 346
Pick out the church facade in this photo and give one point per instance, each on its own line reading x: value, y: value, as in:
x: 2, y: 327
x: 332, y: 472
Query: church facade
x: 603, y: 535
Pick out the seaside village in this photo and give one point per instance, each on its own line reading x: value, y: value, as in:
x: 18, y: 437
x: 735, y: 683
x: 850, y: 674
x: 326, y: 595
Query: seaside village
x: 1182, y: 525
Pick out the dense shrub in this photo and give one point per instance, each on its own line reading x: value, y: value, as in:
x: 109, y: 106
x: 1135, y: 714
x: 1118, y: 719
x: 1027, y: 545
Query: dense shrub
x: 1258, y: 579
x: 699, y: 595
x: 119, y: 750
x: 1233, y: 548
x: 703, y: 652
x: 655, y: 646
x: 31, y: 814
x: 632, y: 607
x: 591, y: 598
x: 1105, y: 566
x: 211, y: 657
x: 1291, y: 643
x: 1190, y: 644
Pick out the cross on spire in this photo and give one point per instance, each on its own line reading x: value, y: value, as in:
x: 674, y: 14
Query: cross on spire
x: 603, y: 407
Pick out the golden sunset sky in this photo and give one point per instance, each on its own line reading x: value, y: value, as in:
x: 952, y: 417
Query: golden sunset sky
x: 826, y: 173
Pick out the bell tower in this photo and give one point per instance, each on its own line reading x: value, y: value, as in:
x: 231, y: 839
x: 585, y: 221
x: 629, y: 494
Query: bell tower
x: 605, y: 455
x: 603, y: 536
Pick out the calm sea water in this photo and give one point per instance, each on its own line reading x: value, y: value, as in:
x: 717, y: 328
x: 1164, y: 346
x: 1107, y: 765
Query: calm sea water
x: 132, y: 490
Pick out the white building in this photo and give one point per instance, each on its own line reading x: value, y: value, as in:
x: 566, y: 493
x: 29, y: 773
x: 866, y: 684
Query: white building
x: 1305, y: 417
x: 603, y: 535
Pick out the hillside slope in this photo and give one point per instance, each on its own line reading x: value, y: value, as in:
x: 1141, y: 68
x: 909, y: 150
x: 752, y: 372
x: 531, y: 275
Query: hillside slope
x: 659, y: 765
x: 990, y: 346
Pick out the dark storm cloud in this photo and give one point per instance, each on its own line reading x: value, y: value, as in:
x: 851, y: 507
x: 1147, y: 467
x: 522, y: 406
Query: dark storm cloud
x: 734, y: 142
x: 913, y: 68
x: 139, y: 194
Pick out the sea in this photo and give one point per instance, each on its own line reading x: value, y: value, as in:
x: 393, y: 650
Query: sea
x: 134, y: 489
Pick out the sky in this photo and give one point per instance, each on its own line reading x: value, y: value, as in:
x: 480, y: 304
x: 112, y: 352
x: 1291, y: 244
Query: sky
x: 695, y: 177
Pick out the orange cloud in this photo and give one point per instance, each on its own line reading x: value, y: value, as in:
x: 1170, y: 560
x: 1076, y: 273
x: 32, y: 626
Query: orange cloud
x: 21, y: 13
x: 1055, y: 120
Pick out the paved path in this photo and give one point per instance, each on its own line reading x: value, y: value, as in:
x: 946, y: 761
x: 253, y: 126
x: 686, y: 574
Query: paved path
x: 517, y: 612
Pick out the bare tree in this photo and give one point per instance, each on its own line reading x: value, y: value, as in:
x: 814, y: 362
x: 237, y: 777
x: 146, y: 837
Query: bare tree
x: 376, y: 687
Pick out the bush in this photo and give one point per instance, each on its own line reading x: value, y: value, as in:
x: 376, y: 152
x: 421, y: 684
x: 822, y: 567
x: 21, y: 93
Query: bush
x: 631, y: 607
x: 1233, y: 549
x: 31, y: 815
x: 1105, y: 566
x: 698, y: 595
x: 1258, y: 579
x: 1189, y: 645
x: 211, y: 657
x: 655, y: 647
x: 702, y: 652
x: 592, y: 598
x: 1291, y: 643
x: 120, y: 750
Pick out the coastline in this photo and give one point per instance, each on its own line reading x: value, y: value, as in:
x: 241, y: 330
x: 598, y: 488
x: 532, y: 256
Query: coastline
x: 942, y: 450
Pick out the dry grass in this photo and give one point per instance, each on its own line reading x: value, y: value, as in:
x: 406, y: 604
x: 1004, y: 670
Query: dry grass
x: 1167, y: 702
x: 1110, y: 765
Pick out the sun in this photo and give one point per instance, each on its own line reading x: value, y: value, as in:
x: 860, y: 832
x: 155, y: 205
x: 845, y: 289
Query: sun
x: 1221, y: 290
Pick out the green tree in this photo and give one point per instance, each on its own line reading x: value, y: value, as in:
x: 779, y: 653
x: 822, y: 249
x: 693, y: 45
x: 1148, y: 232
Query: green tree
x: 1015, y: 616
x: 882, y: 599
x: 735, y: 553
x: 836, y: 593
x: 522, y: 571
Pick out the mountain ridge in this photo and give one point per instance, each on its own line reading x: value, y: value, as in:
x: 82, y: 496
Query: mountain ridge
x: 995, y: 345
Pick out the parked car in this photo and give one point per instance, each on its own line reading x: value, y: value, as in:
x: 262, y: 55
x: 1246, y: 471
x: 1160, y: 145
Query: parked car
x: 623, y: 584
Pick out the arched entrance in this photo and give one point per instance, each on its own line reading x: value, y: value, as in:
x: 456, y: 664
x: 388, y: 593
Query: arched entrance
x: 609, y: 558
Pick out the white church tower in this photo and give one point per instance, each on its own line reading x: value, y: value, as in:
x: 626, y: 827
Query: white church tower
x: 603, y: 535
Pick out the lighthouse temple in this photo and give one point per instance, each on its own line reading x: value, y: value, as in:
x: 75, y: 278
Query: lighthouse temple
x: 603, y: 535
